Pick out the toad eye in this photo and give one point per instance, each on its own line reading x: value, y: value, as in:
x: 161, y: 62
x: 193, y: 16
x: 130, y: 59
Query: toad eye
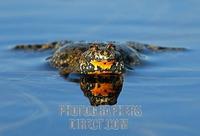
x: 94, y: 47
x: 111, y: 46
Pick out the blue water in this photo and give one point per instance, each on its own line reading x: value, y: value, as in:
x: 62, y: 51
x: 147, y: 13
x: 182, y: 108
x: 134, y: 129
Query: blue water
x: 166, y: 86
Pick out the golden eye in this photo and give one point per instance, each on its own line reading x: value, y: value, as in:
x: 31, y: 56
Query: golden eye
x: 111, y: 46
x: 94, y: 46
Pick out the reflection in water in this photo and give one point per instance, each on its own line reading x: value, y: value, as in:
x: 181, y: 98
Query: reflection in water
x: 102, y: 89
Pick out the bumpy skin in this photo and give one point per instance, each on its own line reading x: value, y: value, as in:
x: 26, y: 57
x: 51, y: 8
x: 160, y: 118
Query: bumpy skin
x: 95, y: 58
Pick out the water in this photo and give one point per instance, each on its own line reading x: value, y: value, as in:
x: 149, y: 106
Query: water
x: 166, y: 86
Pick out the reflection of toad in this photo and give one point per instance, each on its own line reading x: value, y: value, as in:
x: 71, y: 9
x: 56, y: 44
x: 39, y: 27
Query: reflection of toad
x: 101, y: 89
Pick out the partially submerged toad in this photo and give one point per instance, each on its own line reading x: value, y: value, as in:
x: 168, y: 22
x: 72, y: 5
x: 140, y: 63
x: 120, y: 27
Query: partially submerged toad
x: 95, y: 57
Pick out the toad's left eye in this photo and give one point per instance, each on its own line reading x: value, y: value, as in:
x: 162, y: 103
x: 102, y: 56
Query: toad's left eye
x: 94, y: 47
x: 111, y: 46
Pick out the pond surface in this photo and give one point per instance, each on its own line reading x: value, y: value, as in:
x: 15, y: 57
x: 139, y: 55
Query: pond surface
x: 166, y: 87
